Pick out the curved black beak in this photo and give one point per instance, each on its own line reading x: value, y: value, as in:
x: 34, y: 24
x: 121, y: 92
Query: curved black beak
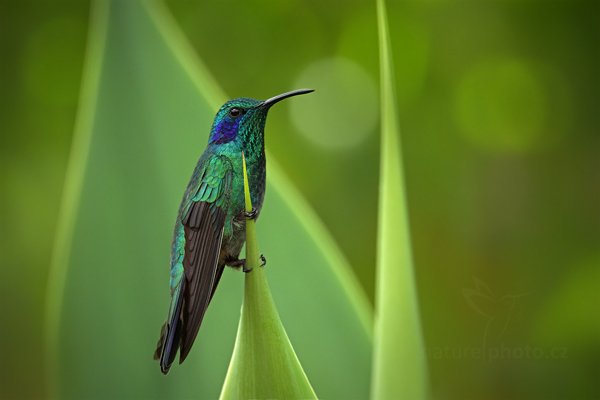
x: 269, y: 102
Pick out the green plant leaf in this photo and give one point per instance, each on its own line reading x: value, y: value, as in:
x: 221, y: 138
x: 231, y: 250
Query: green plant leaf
x: 146, y: 108
x: 264, y: 364
x: 399, y: 369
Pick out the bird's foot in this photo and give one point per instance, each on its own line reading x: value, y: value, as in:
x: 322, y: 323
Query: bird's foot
x: 241, y: 263
x: 246, y: 215
x: 263, y: 262
x: 246, y: 269
x: 251, y: 214
x: 236, y: 264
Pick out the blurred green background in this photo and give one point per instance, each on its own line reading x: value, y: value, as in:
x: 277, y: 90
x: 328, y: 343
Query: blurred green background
x: 498, y: 102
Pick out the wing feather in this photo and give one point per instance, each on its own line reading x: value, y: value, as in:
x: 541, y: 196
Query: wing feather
x: 203, y: 227
x: 200, y: 261
x: 202, y: 217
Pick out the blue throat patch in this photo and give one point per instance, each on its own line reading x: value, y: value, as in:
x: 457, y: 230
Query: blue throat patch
x: 225, y: 131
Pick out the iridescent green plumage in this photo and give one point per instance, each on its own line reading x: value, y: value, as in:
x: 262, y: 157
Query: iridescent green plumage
x: 210, y: 226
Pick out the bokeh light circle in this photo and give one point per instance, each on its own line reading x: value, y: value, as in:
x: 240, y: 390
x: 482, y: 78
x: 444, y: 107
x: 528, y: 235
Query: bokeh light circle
x: 500, y: 106
x: 343, y: 110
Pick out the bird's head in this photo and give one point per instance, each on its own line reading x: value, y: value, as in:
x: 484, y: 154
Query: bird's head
x: 244, y: 117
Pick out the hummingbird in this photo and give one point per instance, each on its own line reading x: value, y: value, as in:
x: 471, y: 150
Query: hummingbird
x: 210, y: 227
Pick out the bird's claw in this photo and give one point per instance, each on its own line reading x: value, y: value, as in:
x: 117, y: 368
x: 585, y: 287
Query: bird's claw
x: 251, y: 214
x: 263, y: 262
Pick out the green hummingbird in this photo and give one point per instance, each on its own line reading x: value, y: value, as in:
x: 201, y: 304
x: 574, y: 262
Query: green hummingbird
x: 210, y: 226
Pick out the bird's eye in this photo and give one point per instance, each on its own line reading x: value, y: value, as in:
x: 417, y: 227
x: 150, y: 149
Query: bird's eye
x: 235, y: 112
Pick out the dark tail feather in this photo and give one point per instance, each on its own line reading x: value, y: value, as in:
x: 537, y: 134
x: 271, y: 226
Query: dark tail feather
x: 170, y: 336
